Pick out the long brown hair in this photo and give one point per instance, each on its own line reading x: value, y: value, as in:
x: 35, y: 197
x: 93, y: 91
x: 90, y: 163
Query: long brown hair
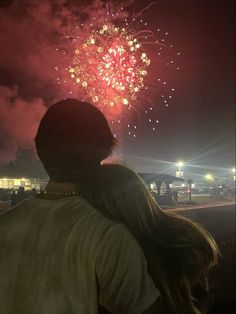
x: 179, y: 252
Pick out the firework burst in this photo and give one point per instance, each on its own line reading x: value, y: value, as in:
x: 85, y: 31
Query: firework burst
x: 107, y: 62
x: 111, y: 66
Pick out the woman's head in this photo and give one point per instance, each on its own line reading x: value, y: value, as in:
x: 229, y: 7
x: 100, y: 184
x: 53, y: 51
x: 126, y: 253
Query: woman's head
x: 122, y: 195
x: 126, y: 197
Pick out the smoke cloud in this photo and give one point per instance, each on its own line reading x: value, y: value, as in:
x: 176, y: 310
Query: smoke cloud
x: 18, y: 122
x: 30, y: 32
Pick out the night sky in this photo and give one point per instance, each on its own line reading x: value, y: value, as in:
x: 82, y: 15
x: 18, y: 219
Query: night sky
x: 197, y: 127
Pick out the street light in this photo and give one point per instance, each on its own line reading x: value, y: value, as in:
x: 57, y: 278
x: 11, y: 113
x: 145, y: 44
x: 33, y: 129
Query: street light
x: 179, y: 173
x: 234, y: 177
x: 209, y: 177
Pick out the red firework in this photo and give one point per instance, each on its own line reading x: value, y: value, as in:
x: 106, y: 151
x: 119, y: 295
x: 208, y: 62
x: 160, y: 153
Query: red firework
x: 110, y: 67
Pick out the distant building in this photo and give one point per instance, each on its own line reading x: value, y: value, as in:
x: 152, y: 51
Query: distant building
x: 15, y: 183
x: 179, y: 174
x: 160, y: 185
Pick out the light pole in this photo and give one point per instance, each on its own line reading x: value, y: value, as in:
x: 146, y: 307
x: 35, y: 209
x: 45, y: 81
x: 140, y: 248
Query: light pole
x: 210, y: 179
x: 190, y: 185
x: 234, y: 177
x: 179, y: 173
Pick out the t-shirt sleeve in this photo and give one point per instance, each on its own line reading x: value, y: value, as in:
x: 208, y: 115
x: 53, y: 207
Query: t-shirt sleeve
x: 124, y: 283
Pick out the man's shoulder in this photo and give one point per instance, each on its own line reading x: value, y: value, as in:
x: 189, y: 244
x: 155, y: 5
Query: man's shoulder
x: 76, y: 211
x: 98, y: 222
x: 105, y: 229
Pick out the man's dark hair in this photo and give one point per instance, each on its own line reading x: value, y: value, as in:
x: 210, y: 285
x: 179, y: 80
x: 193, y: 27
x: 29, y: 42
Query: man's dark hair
x: 72, y: 137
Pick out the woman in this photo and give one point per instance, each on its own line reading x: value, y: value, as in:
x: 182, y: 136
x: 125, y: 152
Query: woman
x: 179, y: 252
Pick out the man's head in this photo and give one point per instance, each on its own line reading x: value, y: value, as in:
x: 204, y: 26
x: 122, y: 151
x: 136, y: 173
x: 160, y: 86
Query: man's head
x: 73, y: 136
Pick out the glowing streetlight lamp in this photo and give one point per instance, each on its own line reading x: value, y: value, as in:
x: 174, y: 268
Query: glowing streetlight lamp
x: 179, y: 173
x: 209, y: 177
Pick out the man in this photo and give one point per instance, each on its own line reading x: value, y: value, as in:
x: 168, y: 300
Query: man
x: 59, y: 255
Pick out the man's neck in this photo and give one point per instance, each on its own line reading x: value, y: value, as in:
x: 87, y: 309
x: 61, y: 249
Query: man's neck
x: 53, y: 186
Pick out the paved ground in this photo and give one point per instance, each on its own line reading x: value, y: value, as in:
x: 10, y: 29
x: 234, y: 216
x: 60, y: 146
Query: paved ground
x: 219, y: 219
x: 4, y: 205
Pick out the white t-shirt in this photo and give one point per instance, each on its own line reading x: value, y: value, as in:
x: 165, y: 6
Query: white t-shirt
x: 54, y: 254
